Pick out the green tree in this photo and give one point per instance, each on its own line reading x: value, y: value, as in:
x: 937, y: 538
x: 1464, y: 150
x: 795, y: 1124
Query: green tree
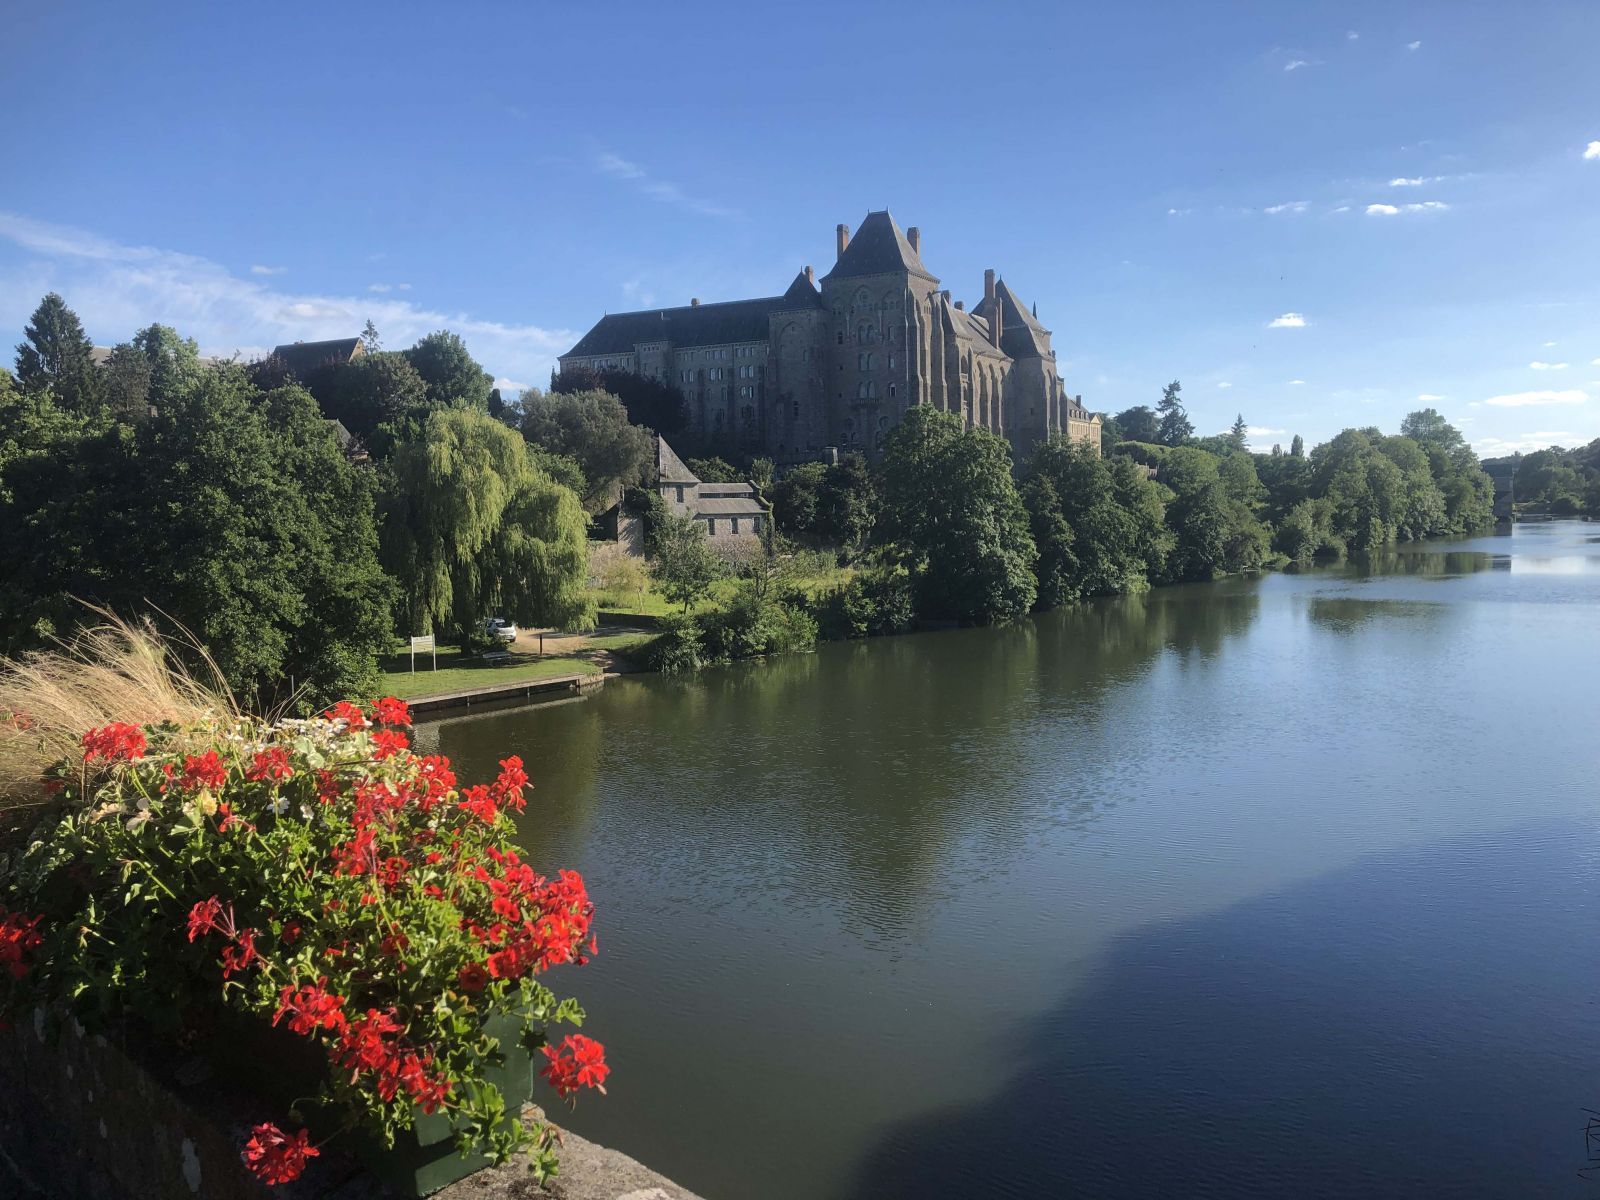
x: 1097, y: 522
x: 452, y: 376
x: 55, y: 357
x: 592, y: 429
x: 1176, y: 428
x: 472, y: 528
x: 845, y: 502
x: 1139, y: 424
x: 794, y: 500
x: 127, y: 377
x: 1214, y: 532
x: 1238, y: 435
x: 714, y: 470
x: 174, y: 362
x: 685, y: 566
x: 951, y: 512
x: 653, y: 403
x: 1297, y: 448
x: 379, y: 397
x: 370, y: 342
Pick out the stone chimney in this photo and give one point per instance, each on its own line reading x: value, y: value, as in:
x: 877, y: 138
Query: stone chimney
x: 988, y: 285
x: 946, y: 295
x: 841, y: 238
x: 811, y: 277
x: 914, y: 236
x: 996, y: 325
x: 993, y: 302
x: 961, y: 305
x: 694, y: 302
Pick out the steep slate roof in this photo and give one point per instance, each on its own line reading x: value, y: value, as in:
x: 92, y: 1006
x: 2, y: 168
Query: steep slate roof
x: 878, y: 248
x: 304, y: 357
x: 1021, y: 335
x: 691, y: 325
x: 669, y: 467
x: 802, y: 293
x: 968, y: 328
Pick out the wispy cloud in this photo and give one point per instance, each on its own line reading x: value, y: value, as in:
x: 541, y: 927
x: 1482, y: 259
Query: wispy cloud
x: 1352, y: 36
x: 1544, y: 366
x: 1415, y: 181
x: 117, y: 289
x: 258, y: 269
x: 382, y: 288
x: 1390, y: 210
x: 1262, y: 431
x: 1297, y: 383
x: 1294, y: 64
x: 1428, y: 398
x: 1413, y: 45
x: 1547, y: 345
x: 1179, y: 212
x: 1538, y: 399
x: 1292, y: 206
x: 1494, y: 447
x: 659, y: 189
x: 1592, y: 150
x: 1224, y: 384
x: 1287, y: 321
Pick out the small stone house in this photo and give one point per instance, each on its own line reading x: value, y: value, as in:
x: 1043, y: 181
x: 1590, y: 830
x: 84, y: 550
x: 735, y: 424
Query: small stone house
x: 731, y: 512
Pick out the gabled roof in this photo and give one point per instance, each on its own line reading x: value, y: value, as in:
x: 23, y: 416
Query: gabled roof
x: 728, y: 506
x: 669, y: 467
x: 691, y: 325
x: 1021, y: 335
x: 802, y: 293
x: 304, y: 357
x: 971, y: 330
x: 878, y: 248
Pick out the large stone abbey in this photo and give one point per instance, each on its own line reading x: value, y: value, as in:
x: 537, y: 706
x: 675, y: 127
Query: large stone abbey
x: 836, y: 365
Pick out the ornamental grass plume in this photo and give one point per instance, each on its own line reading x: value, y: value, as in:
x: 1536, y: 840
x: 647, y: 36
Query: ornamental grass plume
x: 116, y: 672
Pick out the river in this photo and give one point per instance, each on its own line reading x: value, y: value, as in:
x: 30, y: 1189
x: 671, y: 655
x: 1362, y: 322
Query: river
x: 1283, y: 885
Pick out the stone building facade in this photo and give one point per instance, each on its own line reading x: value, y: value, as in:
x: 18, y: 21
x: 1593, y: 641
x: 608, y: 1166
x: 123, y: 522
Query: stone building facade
x: 836, y: 362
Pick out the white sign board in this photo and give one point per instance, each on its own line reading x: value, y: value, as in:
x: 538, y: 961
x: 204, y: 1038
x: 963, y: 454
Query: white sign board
x: 424, y: 644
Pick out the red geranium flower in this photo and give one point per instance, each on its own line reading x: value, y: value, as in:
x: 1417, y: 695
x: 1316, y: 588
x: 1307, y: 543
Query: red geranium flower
x: 388, y: 741
x: 472, y: 977
x: 239, y: 957
x: 390, y: 711
x: 203, y: 917
x: 112, y: 742
x: 204, y: 770
x: 18, y: 935
x: 271, y: 764
x: 350, y: 714
x: 274, y: 1156
x: 580, y: 1062
x: 310, y: 1007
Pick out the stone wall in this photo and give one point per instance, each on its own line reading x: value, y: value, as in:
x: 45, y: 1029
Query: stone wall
x: 82, y: 1118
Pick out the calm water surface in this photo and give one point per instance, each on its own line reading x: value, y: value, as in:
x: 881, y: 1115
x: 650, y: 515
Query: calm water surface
x: 1280, y: 886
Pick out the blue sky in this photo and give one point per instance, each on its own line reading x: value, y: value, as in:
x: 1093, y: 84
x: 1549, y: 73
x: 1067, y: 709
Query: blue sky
x: 1311, y: 213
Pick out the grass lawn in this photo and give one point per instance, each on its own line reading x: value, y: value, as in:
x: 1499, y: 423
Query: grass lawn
x: 621, y: 643
x: 652, y: 603
x: 458, y: 675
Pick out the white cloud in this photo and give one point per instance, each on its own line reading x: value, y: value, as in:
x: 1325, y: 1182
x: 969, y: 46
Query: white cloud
x: 1526, y: 444
x: 1592, y: 150
x: 1352, y: 36
x: 1294, y: 64
x: 1544, y: 366
x: 381, y: 288
x: 1342, y: 208
x: 1413, y: 45
x: 117, y: 289
x: 377, y: 287
x: 1297, y: 383
x: 658, y: 189
x: 1292, y: 206
x: 509, y: 385
x: 1262, y: 431
x: 1428, y: 398
x: 1546, y: 345
x: 1538, y: 399
x: 1224, y: 384
x: 1178, y: 212
x: 1594, y: 362
x: 1287, y: 321
x: 258, y: 269
x: 1390, y: 210
x: 1415, y: 181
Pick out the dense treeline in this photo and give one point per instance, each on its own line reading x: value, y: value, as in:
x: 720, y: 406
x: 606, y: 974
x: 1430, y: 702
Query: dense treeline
x: 222, y: 496
x: 1561, y: 481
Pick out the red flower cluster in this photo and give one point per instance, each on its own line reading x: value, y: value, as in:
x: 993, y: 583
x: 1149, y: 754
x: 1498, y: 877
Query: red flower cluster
x: 390, y: 711
x: 18, y: 935
x: 205, y: 916
x: 485, y: 803
x: 240, y: 955
x: 350, y: 714
x: 274, y: 1156
x: 114, y: 741
x: 388, y: 741
x: 372, y: 1044
x: 580, y: 1062
x: 199, y: 770
x: 310, y: 1007
x: 271, y: 764
x: 543, y: 923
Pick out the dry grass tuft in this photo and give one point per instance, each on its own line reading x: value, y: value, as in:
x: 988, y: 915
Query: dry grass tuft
x: 117, y: 671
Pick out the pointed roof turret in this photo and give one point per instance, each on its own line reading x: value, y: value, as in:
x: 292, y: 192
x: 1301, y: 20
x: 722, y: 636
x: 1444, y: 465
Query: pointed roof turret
x: 802, y: 293
x: 1021, y: 335
x: 878, y: 248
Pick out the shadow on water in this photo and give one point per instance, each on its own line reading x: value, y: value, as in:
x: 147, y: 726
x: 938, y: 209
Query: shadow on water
x: 1402, y: 1027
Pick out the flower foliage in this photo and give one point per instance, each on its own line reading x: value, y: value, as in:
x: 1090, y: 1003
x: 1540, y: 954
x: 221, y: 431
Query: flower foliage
x: 322, y: 878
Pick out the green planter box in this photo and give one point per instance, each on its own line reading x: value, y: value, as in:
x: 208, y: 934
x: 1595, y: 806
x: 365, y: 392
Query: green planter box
x: 286, y: 1069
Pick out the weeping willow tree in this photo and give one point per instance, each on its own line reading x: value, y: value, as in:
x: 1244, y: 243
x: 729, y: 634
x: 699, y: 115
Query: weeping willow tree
x: 471, y: 528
